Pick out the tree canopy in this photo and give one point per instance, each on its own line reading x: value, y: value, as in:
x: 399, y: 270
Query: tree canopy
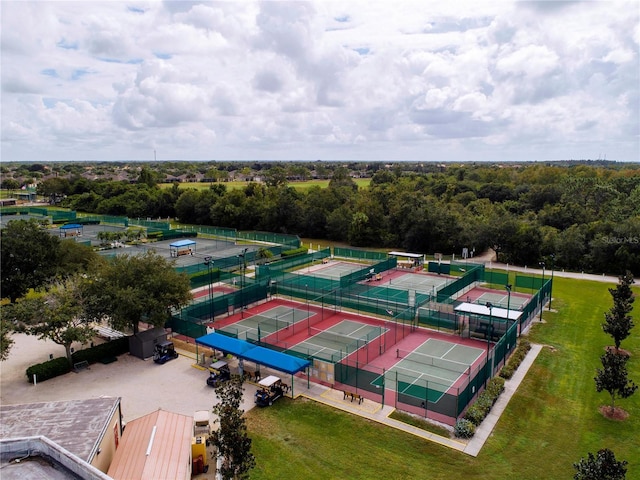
x: 618, y: 322
x: 586, y: 215
x: 231, y: 439
x: 602, y: 466
x: 613, y: 377
x: 134, y: 288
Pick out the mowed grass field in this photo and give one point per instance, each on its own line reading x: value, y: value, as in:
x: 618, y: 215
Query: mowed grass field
x: 301, y: 186
x: 551, y: 422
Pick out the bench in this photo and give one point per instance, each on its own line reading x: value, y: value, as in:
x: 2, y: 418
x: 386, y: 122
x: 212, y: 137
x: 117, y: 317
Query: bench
x: 353, y: 396
x: 80, y: 366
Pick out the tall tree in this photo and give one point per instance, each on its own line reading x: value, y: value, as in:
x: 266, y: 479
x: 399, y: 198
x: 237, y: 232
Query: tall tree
x: 131, y: 289
x: 231, y: 439
x: 6, y: 342
x: 618, y: 323
x: 604, y: 466
x: 613, y: 377
x: 28, y: 257
x: 56, y: 315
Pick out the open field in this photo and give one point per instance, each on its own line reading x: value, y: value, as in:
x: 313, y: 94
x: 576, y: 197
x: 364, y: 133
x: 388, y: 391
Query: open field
x: 302, y: 186
x: 550, y: 423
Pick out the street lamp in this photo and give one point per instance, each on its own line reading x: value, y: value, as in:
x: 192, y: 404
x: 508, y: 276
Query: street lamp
x: 208, y: 261
x: 541, y: 294
x: 489, y: 332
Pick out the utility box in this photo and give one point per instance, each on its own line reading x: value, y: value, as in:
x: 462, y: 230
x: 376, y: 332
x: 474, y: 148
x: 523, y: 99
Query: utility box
x: 201, y: 425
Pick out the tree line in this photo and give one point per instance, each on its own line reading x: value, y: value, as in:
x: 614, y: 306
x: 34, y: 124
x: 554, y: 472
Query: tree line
x: 577, y: 217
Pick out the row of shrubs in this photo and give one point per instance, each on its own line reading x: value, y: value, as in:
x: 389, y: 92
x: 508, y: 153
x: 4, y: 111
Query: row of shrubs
x: 476, y: 413
x: 516, y: 359
x: 60, y: 366
x: 294, y: 252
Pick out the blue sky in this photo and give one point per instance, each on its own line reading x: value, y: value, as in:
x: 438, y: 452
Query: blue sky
x: 355, y: 80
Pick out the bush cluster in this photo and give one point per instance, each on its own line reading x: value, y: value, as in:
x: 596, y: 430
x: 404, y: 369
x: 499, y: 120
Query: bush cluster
x: 45, y: 371
x: 105, y: 350
x: 516, y: 359
x: 477, y: 412
x: 297, y: 251
x: 60, y: 366
x: 464, y: 428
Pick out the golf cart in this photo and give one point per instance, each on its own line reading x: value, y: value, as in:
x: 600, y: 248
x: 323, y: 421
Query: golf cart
x: 164, y: 352
x: 218, y: 373
x: 270, y: 389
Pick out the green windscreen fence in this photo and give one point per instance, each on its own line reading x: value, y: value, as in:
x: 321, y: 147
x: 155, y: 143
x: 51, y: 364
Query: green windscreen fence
x: 359, y: 254
x: 475, y: 273
x: 496, y: 278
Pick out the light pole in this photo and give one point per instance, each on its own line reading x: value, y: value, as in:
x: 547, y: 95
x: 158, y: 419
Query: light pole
x: 242, y: 270
x: 508, y: 288
x: 553, y: 264
x: 541, y: 294
x: 208, y: 261
x: 489, y: 333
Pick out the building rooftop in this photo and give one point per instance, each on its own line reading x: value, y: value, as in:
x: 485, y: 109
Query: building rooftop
x: 156, y: 446
x: 75, y: 425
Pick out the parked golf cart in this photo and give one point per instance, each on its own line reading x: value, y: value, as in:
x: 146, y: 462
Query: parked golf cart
x: 163, y: 352
x: 218, y: 373
x: 270, y: 389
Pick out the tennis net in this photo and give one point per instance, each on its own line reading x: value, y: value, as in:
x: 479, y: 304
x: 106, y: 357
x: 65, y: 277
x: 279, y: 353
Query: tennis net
x: 425, y: 359
x: 337, y: 338
x: 273, y: 324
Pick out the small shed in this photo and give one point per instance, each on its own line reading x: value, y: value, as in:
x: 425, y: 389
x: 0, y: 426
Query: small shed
x: 182, y: 247
x: 142, y: 344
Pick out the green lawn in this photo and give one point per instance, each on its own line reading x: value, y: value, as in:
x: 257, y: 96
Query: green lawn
x: 551, y: 422
x: 302, y: 186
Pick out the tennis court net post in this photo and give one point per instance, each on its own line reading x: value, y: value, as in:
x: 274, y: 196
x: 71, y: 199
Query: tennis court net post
x: 439, y: 362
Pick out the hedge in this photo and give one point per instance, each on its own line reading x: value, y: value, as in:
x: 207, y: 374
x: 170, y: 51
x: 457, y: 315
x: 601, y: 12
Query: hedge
x: 477, y: 412
x: 104, y: 350
x: 297, y: 251
x: 45, y: 371
x: 60, y: 366
x: 516, y: 359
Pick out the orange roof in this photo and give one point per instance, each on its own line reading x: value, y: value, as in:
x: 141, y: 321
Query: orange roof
x: 154, y: 447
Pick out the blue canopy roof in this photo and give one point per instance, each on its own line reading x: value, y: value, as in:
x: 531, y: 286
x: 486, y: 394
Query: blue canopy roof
x: 70, y: 225
x: 182, y: 243
x: 264, y: 356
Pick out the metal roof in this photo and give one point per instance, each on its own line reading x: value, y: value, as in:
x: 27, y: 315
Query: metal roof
x: 484, y: 310
x: 405, y: 254
x: 154, y: 447
x: 261, y: 355
x: 182, y: 243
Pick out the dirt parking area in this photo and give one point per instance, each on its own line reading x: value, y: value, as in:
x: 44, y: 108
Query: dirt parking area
x: 143, y: 386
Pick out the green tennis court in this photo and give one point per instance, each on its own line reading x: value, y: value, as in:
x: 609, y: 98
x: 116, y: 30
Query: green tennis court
x: 420, y: 282
x: 335, y: 270
x: 428, y: 371
x: 267, y: 322
x: 501, y: 301
x: 338, y: 341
